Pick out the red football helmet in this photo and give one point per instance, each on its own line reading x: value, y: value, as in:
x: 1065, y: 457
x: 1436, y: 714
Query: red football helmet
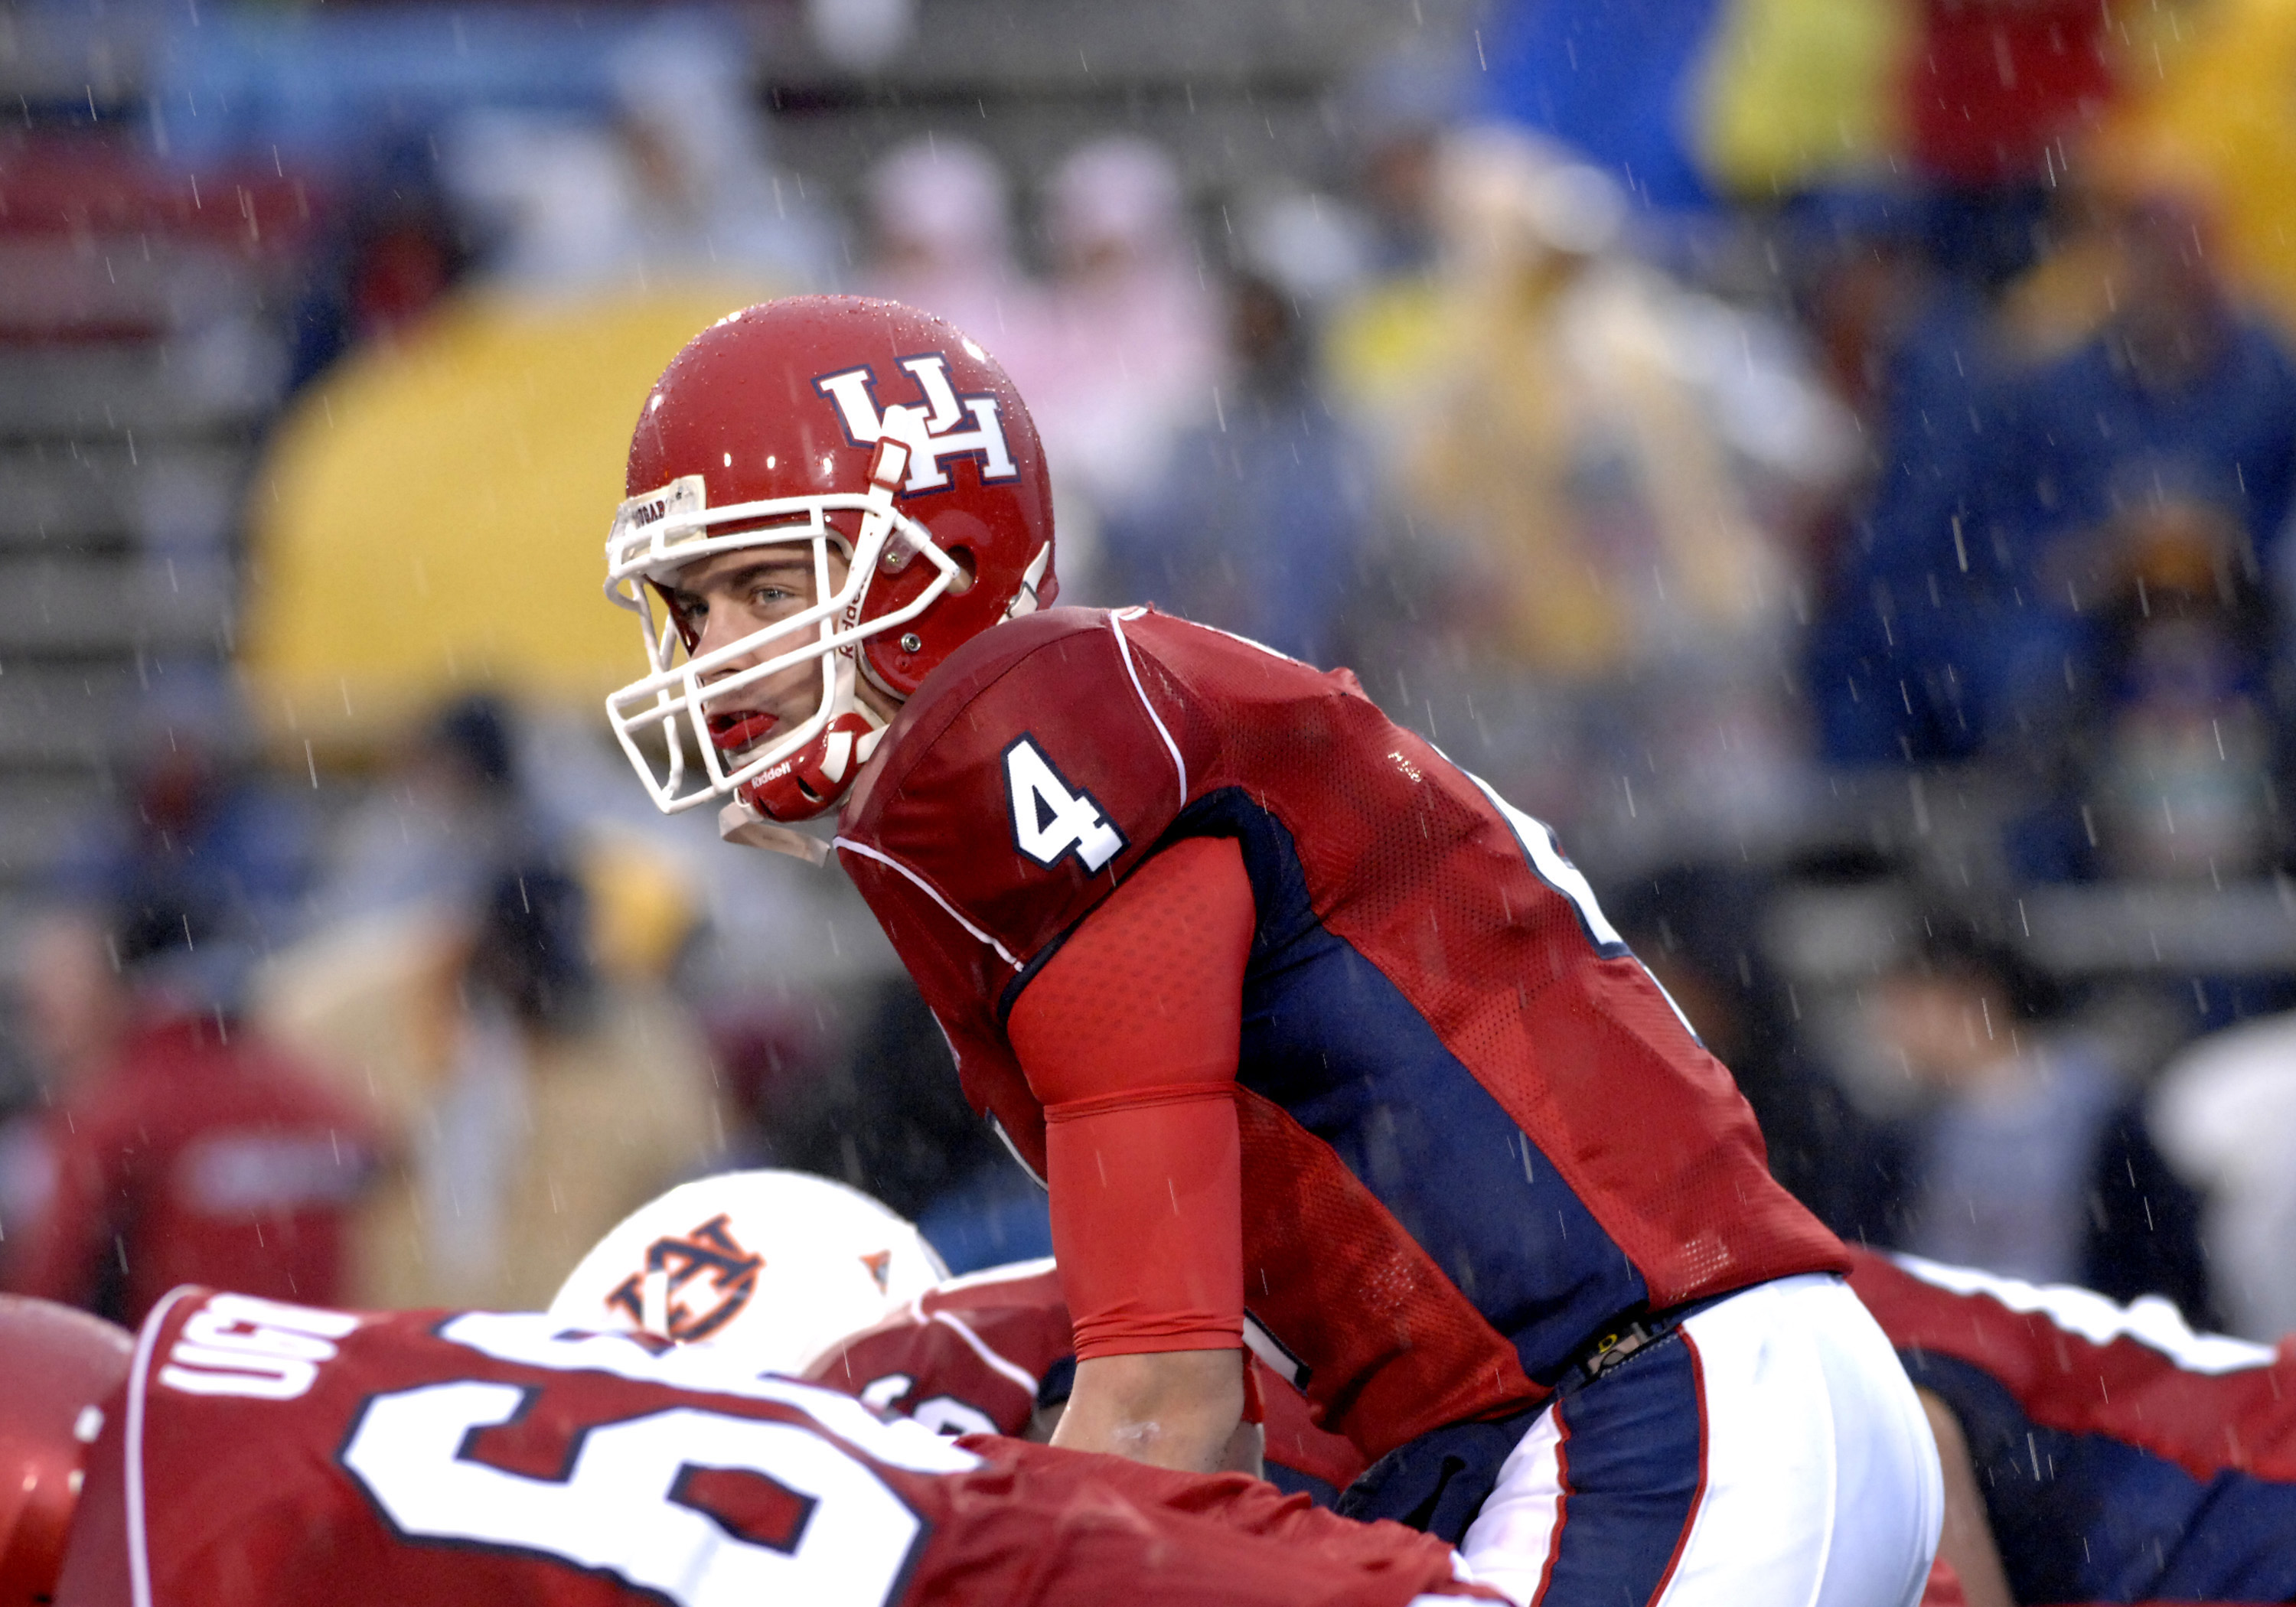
x: 58, y: 1365
x: 861, y: 426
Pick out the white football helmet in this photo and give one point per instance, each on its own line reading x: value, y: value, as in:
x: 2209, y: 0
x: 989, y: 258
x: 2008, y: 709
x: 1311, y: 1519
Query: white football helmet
x: 774, y: 1266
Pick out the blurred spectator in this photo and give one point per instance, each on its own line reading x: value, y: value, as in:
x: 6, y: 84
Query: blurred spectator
x: 1917, y: 345
x: 2224, y: 1110
x: 551, y: 197
x: 1615, y: 81
x: 2166, y: 748
x: 2025, y: 1156
x: 881, y: 1113
x: 1131, y: 343
x: 1672, y: 97
x: 204, y: 870
x: 941, y: 225
x: 1397, y: 112
x: 1597, y: 449
x: 709, y: 202
x: 2182, y: 395
x: 180, y: 1147
x: 2215, y: 116
x: 1260, y: 528
x: 74, y: 1008
x: 674, y: 186
x: 392, y: 253
x: 1991, y: 83
x: 530, y: 1101
x: 2000, y: 542
x: 70, y: 1012
x: 452, y: 811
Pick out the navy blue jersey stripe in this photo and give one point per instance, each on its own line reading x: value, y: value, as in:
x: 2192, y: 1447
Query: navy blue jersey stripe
x: 1330, y: 1039
x: 1632, y: 1478
x: 1292, y: 1481
x: 2089, y: 1518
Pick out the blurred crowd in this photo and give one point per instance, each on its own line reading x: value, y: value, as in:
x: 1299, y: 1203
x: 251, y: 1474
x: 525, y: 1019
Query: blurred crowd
x: 1849, y: 571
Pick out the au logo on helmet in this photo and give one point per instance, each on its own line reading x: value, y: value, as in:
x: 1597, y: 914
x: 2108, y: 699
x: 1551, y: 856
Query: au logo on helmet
x: 705, y: 1261
x: 928, y: 431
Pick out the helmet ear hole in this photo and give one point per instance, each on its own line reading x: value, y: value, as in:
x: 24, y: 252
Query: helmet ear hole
x: 968, y: 571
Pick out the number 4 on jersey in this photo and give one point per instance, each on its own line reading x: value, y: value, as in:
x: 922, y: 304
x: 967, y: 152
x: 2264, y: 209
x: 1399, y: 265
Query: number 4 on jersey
x: 1048, y: 819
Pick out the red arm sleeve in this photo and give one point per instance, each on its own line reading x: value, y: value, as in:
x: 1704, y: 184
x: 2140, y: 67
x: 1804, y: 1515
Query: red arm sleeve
x: 1129, y: 1034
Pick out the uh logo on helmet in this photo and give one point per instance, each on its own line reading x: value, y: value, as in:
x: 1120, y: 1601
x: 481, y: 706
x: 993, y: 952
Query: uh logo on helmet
x: 780, y: 425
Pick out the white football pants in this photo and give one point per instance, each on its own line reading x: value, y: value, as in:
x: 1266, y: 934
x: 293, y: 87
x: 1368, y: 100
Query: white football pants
x: 1770, y: 1452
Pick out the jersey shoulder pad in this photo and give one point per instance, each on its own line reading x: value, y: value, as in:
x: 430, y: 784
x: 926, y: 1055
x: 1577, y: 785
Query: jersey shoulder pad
x: 1028, y: 776
x: 1015, y: 1286
x: 956, y: 1366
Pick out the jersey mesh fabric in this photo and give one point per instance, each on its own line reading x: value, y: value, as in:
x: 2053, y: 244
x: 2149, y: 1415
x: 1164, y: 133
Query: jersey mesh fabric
x: 1500, y: 1132
x: 1423, y: 876
x: 1406, y: 1351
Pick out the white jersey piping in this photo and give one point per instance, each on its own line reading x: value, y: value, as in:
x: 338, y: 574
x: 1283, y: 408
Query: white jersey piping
x: 867, y: 852
x: 1011, y: 1272
x: 1124, y: 647
x: 139, y: 1556
x: 981, y: 1349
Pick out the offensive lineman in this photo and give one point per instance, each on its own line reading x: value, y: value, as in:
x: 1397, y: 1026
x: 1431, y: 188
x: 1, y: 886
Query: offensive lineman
x: 803, y: 1276
x: 1321, y: 1046
x: 248, y: 1450
x: 992, y: 1351
x: 2095, y: 1452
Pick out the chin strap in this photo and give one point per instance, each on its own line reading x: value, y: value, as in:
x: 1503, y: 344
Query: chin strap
x: 737, y: 821
x: 1024, y: 600
x: 808, y: 784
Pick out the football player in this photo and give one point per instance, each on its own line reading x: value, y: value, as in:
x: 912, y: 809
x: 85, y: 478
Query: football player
x: 798, y: 1275
x: 1323, y: 1048
x: 2095, y: 1452
x: 992, y: 1351
x: 253, y: 1451
x: 777, y: 1265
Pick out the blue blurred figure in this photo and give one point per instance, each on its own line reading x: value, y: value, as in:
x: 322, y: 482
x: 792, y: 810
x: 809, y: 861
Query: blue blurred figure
x: 1971, y: 612
x: 1260, y: 525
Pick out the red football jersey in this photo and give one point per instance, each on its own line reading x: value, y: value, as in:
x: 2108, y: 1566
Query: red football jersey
x: 198, y: 1157
x: 286, y: 1455
x: 1473, y: 1129
x: 968, y: 1357
x: 2121, y: 1457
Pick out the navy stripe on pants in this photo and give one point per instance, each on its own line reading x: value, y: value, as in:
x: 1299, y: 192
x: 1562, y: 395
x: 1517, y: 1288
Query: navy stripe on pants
x: 1633, y: 1458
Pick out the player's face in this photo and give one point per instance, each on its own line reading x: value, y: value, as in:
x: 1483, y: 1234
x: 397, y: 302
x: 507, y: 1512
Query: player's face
x: 724, y: 598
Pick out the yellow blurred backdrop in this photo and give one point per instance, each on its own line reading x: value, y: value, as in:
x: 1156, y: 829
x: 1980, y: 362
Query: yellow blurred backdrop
x: 432, y: 517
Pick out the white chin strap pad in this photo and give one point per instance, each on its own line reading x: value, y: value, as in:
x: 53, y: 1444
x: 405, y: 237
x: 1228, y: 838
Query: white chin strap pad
x: 738, y: 823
